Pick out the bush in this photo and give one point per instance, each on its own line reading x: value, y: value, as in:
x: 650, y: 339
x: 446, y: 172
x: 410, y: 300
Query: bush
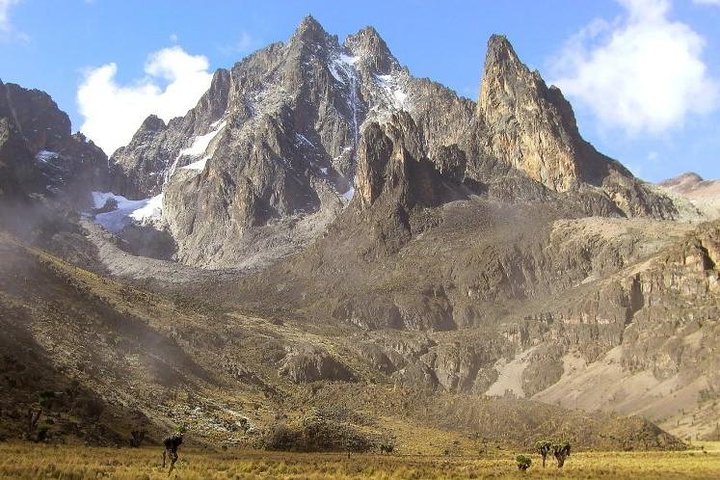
x: 386, y: 446
x: 316, y: 435
x: 523, y: 462
x: 280, y: 437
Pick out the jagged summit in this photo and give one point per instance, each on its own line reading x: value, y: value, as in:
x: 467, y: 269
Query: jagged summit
x: 42, y: 156
x: 368, y: 45
x: 153, y: 123
x: 501, y: 54
x: 309, y: 31
x: 531, y: 127
x: 278, y: 135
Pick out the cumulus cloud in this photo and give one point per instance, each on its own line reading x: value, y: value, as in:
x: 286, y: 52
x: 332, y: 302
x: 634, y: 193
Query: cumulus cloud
x: 642, y: 72
x: 174, y: 82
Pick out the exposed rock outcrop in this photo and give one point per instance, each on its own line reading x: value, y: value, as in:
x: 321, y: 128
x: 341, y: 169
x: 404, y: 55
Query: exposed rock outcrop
x: 307, y: 365
x: 39, y: 153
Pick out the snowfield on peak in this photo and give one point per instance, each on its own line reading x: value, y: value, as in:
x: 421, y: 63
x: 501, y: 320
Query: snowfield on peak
x: 198, y: 165
x: 201, y: 143
x: 390, y: 84
x: 143, y: 212
x: 343, y: 66
x: 198, y: 148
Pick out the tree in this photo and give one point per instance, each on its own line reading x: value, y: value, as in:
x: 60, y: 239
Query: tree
x: 523, y: 462
x: 561, y: 451
x: 543, y: 448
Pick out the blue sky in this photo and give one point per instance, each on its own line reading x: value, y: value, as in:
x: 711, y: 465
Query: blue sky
x: 643, y: 75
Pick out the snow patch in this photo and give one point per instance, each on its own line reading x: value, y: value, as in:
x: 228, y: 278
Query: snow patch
x: 152, y: 210
x: 201, y: 143
x: 342, y: 67
x: 128, y: 211
x: 394, y: 93
x: 198, y: 148
x: 46, y: 156
x: 198, y: 165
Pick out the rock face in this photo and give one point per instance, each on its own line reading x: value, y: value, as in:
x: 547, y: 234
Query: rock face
x: 531, y: 126
x: 38, y: 153
x: 307, y: 365
x: 19, y: 175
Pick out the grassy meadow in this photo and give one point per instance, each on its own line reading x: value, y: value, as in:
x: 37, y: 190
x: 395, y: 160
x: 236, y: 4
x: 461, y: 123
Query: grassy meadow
x: 30, y: 461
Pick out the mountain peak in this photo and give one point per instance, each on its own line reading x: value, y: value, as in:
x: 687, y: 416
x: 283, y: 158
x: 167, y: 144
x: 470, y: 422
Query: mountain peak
x: 153, y: 123
x: 501, y: 56
x: 542, y: 138
x: 310, y: 30
x: 683, y: 183
x: 368, y: 44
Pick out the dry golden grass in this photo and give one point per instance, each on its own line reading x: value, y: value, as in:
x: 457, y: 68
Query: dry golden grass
x: 28, y: 461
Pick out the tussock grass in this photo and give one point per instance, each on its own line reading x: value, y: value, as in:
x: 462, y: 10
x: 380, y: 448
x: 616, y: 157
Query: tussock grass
x: 28, y: 461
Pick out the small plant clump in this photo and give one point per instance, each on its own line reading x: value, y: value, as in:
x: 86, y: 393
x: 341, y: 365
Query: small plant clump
x: 386, y: 446
x: 523, y: 462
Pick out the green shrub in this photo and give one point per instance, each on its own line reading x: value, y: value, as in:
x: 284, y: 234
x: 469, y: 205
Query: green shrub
x: 523, y: 462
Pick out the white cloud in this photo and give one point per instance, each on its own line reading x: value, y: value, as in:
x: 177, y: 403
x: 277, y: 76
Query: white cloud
x: 642, y: 72
x: 174, y: 82
x: 5, y: 14
x: 7, y: 31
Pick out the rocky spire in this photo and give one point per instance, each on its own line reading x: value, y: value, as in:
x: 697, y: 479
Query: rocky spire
x: 309, y: 31
x: 370, y: 48
x: 531, y: 126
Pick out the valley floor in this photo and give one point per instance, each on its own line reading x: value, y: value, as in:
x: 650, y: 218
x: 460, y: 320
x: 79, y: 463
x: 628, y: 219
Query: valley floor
x: 28, y: 461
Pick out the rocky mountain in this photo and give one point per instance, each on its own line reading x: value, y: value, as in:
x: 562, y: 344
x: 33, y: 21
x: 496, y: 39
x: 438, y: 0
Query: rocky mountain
x: 272, y: 147
x: 703, y: 194
x: 325, y: 229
